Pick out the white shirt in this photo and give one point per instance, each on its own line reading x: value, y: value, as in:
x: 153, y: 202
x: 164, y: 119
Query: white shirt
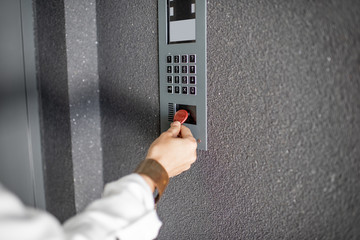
x: 126, y: 211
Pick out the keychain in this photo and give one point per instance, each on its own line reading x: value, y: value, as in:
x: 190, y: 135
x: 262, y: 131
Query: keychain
x: 181, y: 116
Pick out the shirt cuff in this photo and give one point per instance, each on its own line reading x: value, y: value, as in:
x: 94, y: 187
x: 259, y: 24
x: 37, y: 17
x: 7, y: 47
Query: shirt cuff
x: 135, y: 180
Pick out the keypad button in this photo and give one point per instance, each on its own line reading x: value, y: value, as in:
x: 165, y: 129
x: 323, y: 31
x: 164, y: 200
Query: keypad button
x: 192, y: 69
x: 169, y: 79
x: 176, y: 69
x: 184, y: 69
x: 184, y: 79
x: 177, y: 79
x: 169, y: 89
x: 192, y: 58
x: 192, y: 80
x: 193, y: 90
x: 176, y: 59
x: 184, y: 90
x: 169, y: 69
x: 184, y: 58
x: 177, y: 89
x: 168, y: 59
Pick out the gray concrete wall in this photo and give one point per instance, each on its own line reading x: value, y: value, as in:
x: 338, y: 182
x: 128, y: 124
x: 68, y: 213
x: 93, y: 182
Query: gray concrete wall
x: 68, y: 79
x: 283, y: 111
x: 83, y: 80
x: 54, y: 108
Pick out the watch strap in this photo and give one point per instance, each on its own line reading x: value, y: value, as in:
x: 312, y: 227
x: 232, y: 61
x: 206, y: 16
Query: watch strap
x: 154, y: 170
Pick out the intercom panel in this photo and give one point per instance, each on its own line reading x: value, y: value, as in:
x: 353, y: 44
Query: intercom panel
x: 182, y: 64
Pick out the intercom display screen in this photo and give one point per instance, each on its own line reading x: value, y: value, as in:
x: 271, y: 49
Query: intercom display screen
x: 181, y: 21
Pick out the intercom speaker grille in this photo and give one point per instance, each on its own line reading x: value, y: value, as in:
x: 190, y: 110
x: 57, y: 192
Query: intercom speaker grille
x: 171, y: 112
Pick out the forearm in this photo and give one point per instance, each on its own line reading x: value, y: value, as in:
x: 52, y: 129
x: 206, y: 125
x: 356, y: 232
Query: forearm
x: 126, y: 211
x: 127, y: 208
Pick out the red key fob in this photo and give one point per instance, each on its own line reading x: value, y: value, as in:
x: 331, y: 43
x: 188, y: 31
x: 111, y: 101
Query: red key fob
x: 181, y: 116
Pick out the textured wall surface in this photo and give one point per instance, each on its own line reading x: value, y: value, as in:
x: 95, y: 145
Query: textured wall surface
x: 54, y: 105
x: 67, y: 60
x: 81, y: 49
x: 283, y: 112
x: 128, y: 71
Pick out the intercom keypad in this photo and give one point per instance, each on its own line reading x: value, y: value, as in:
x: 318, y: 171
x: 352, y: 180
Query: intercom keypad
x: 181, y: 70
x: 183, y: 64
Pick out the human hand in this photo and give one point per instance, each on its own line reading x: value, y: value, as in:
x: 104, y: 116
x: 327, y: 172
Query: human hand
x: 175, y: 149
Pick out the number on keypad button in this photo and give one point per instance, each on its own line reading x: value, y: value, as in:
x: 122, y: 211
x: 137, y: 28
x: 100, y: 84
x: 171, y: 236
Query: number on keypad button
x: 177, y: 89
x: 176, y: 59
x: 177, y: 79
x: 184, y: 69
x: 184, y: 90
x: 169, y: 79
x: 184, y: 58
x: 184, y: 80
x: 176, y: 69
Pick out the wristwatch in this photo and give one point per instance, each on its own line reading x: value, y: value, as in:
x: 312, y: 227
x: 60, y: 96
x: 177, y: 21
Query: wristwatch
x: 154, y: 170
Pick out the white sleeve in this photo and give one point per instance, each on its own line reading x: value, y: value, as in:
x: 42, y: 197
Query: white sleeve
x: 126, y: 211
x: 18, y: 222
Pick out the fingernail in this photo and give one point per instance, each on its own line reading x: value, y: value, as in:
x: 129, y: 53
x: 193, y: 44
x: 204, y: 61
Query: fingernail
x: 175, y: 124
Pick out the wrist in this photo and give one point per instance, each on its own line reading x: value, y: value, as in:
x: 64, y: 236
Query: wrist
x: 155, y: 175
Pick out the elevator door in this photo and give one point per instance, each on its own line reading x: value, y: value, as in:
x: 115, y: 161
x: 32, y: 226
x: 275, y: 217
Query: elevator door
x: 20, y: 158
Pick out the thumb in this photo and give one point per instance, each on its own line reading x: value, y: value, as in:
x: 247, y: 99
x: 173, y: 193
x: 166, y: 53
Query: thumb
x: 175, y: 129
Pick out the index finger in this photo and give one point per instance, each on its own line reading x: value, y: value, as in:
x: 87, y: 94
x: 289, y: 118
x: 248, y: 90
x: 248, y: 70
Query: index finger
x: 185, y: 132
